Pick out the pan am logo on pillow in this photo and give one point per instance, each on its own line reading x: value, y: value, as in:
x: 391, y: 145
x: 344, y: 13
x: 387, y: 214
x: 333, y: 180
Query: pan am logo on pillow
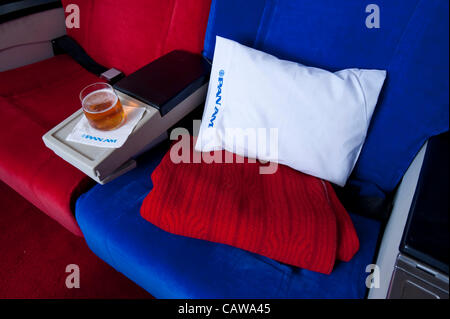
x: 218, y: 99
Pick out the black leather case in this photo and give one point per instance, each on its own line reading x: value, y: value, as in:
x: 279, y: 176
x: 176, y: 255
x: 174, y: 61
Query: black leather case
x: 167, y: 81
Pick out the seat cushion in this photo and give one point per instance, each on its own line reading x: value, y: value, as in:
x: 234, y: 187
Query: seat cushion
x: 173, y: 266
x: 33, y: 99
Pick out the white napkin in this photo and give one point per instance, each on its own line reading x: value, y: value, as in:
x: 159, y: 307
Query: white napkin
x: 84, y: 133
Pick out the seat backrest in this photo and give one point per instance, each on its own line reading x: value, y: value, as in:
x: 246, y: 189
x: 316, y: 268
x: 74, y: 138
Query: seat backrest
x: 411, y: 44
x: 129, y: 34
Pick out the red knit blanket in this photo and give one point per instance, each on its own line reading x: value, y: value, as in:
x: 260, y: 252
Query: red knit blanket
x: 287, y: 216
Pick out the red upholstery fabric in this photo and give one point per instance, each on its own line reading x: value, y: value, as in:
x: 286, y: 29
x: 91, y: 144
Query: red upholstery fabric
x: 288, y: 216
x: 129, y: 34
x: 33, y: 99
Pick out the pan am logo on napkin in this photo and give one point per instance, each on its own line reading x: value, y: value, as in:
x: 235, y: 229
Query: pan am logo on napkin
x: 218, y: 99
x: 100, y: 139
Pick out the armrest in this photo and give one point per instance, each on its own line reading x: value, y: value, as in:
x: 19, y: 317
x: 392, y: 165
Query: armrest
x: 426, y: 236
x: 422, y: 193
x: 27, y: 39
x: 14, y: 9
x: 167, y: 81
x: 169, y: 88
x: 392, y: 236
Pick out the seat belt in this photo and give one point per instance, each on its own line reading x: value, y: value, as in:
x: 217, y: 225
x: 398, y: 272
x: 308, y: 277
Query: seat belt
x: 66, y: 44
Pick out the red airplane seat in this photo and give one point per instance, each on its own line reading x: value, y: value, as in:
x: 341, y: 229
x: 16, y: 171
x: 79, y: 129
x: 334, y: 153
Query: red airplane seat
x: 36, y: 97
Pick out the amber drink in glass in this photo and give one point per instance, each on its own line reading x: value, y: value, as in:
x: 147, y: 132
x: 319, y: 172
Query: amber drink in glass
x: 102, y: 106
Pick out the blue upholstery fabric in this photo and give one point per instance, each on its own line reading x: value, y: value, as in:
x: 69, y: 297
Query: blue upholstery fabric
x: 411, y: 44
x: 171, y: 266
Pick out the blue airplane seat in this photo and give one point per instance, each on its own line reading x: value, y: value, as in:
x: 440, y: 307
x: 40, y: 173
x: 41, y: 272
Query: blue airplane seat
x: 411, y: 43
x: 172, y: 266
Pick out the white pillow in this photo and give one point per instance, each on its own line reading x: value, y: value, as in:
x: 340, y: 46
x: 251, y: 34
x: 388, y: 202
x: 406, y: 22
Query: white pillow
x: 321, y: 117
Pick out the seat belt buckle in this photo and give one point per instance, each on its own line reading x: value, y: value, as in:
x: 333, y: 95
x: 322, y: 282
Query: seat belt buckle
x: 112, y: 75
